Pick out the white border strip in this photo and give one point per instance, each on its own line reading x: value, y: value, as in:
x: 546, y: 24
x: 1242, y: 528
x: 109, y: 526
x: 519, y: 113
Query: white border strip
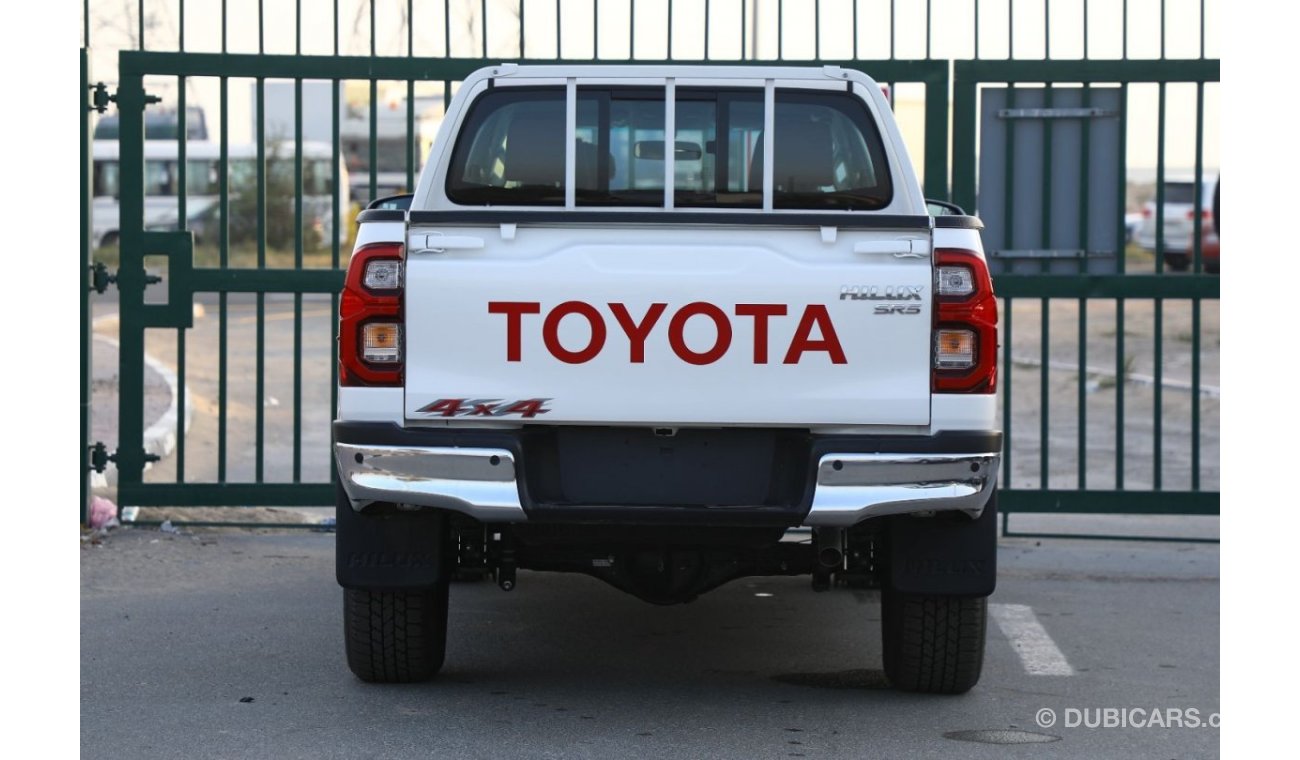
x: 1038, y: 653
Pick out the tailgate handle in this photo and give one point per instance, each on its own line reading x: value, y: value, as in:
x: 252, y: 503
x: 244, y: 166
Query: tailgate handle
x: 903, y: 249
x: 437, y: 243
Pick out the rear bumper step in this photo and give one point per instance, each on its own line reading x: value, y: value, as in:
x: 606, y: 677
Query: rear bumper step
x: 838, y: 480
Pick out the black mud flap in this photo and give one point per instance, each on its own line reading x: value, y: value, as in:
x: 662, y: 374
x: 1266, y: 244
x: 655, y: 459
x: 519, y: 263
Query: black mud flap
x: 384, y: 549
x: 945, y: 554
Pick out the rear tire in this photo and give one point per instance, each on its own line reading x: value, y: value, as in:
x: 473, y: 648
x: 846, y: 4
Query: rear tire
x: 395, y: 636
x: 933, y: 644
x: 1178, y: 262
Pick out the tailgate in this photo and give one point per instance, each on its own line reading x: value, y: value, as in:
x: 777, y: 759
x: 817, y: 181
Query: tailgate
x: 667, y: 325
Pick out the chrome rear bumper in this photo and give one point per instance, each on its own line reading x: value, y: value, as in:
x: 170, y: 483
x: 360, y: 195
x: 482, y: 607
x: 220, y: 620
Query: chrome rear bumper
x: 854, y: 487
x: 483, y: 482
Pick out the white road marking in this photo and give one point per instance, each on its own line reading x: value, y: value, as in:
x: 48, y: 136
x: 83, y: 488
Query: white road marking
x: 1038, y: 653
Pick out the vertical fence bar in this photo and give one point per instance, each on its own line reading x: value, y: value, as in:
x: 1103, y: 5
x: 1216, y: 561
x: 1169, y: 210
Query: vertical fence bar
x: 182, y: 217
x: 936, y: 135
x: 139, y: 15
x: 223, y: 242
x: 411, y: 157
x: 780, y: 29
x: 1162, y: 30
x: 670, y: 30
x: 928, y: 30
x: 374, y: 109
x: 1121, y: 372
x: 817, y: 29
x: 631, y: 29
x: 1006, y: 395
x: 708, y: 11
x: 1045, y: 308
x: 86, y: 256
x: 522, y: 4
x: 297, y: 265
x: 1158, y: 321
x: 1196, y: 302
x: 595, y: 30
x: 1085, y: 192
x: 337, y: 194
x: 855, y: 29
x: 893, y: 31
x: 482, y: 25
x: 260, y: 395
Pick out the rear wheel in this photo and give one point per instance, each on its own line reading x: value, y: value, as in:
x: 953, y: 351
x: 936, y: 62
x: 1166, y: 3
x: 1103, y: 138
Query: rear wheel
x: 395, y: 636
x: 1179, y: 262
x: 933, y: 644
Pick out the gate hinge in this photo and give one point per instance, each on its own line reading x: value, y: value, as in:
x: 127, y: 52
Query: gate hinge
x: 99, y: 457
x: 100, y: 277
x: 100, y: 98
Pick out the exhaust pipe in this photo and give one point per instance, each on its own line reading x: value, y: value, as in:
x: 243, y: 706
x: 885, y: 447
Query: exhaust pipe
x: 830, y: 547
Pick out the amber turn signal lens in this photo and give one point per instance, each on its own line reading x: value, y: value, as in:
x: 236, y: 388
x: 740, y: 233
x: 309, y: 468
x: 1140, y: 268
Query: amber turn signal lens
x: 381, y: 342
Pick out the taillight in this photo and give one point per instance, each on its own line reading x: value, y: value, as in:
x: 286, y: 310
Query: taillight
x: 1147, y: 212
x: 370, y: 318
x: 1205, y: 214
x: 965, y: 324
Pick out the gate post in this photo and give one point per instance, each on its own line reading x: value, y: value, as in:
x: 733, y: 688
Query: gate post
x: 130, y: 281
x: 85, y: 264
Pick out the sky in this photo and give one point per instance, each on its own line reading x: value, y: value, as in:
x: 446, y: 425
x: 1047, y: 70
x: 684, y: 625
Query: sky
x: 1039, y: 28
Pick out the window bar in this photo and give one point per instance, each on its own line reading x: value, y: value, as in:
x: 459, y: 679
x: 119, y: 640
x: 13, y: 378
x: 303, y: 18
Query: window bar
x: 570, y: 146
x: 769, y: 146
x: 670, y: 139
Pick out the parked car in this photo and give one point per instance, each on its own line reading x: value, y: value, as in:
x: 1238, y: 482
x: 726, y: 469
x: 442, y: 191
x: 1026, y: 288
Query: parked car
x: 1179, y: 220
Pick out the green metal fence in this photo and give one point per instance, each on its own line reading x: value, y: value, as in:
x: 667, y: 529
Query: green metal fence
x: 248, y: 448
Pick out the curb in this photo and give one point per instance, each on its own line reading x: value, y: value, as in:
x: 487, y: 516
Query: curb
x: 159, y: 437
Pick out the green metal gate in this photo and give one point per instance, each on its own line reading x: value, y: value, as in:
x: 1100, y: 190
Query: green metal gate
x: 161, y: 275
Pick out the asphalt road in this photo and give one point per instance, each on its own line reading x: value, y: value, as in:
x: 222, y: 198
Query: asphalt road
x: 229, y: 645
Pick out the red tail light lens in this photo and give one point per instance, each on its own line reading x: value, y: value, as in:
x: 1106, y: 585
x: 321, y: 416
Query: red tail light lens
x: 370, y: 318
x: 965, y: 324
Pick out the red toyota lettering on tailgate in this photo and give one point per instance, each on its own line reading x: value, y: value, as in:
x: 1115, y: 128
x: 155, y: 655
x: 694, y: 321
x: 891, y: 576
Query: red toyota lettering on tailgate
x: 815, y: 332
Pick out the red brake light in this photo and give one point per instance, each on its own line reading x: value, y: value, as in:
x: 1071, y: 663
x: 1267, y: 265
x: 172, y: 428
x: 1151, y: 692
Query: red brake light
x: 955, y: 316
x: 364, y: 305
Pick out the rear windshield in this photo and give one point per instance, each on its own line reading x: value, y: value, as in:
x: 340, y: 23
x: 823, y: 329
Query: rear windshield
x: 1180, y: 192
x: 827, y: 155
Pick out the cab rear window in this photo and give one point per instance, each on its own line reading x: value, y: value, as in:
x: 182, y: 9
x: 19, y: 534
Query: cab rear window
x: 827, y: 152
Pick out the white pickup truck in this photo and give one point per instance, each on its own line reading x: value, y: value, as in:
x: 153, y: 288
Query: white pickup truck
x: 668, y: 327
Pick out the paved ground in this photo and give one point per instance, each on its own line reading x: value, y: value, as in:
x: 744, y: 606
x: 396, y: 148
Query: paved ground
x: 179, y: 632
